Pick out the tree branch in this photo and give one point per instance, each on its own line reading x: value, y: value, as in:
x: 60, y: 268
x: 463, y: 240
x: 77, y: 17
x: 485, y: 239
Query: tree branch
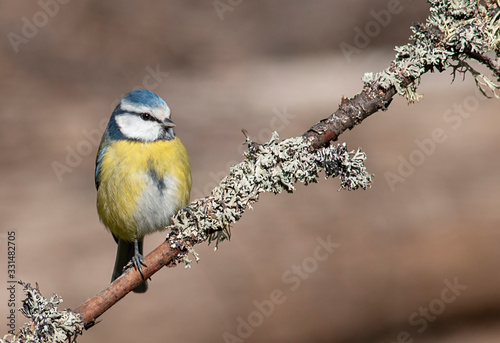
x: 350, y: 113
x: 163, y: 255
x: 485, y: 60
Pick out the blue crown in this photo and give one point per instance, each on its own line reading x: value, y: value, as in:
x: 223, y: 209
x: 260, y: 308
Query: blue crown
x: 145, y: 97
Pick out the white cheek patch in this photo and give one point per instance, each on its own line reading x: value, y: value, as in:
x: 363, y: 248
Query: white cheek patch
x: 132, y: 126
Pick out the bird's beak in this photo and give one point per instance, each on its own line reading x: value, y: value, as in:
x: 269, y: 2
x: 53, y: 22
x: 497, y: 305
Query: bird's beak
x: 168, y: 123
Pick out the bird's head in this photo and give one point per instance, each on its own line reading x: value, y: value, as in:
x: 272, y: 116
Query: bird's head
x: 144, y: 116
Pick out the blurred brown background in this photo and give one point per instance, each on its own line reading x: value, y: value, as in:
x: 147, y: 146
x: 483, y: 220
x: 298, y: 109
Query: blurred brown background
x: 416, y: 262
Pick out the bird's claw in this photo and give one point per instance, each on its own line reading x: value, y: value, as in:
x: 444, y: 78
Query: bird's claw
x: 137, y: 261
x: 187, y: 209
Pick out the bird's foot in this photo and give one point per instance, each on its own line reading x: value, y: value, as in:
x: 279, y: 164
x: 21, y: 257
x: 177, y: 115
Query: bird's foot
x: 138, y: 260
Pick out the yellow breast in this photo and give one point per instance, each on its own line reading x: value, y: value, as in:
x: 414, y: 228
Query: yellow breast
x: 142, y: 185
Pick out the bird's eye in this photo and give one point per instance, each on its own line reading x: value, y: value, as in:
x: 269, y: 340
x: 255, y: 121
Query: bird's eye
x: 146, y: 116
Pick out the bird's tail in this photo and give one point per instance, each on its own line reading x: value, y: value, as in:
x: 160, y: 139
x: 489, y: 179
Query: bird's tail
x: 124, y: 254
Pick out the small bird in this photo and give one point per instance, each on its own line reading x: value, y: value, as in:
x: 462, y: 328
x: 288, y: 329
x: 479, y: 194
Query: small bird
x: 142, y: 175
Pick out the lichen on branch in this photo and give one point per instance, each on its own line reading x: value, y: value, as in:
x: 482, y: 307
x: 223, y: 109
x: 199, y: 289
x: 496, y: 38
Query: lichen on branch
x: 454, y: 32
x: 273, y: 167
x: 48, y: 323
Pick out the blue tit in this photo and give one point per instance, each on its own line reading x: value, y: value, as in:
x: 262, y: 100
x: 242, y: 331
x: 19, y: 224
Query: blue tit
x: 142, y: 175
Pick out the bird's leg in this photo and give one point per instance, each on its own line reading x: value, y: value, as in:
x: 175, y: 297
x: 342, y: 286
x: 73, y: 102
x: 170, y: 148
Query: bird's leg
x: 137, y: 259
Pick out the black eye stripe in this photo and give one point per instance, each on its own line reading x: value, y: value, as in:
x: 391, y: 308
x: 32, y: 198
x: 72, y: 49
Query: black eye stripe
x: 147, y: 117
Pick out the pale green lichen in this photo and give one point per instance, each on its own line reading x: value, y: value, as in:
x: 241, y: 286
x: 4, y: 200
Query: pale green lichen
x: 273, y: 167
x: 453, y: 29
x: 48, y: 323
